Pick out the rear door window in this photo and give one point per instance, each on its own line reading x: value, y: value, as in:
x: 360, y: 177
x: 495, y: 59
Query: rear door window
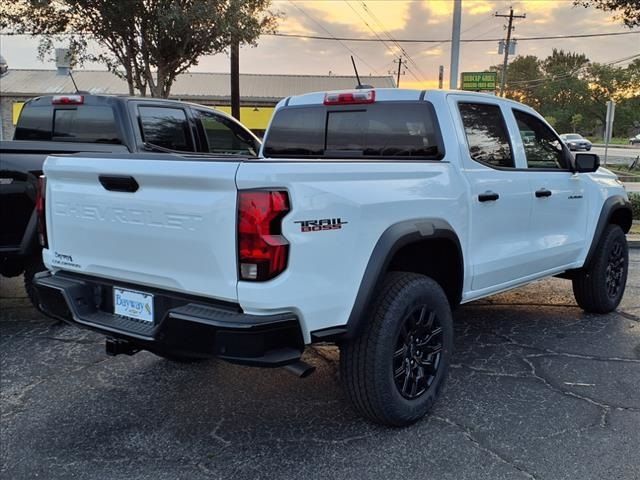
x: 381, y: 130
x: 166, y: 127
x: 487, y: 135
x: 85, y: 124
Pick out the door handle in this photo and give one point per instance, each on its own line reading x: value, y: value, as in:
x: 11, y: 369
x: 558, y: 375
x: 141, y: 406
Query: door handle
x: 543, y: 192
x: 488, y: 196
x: 119, y: 183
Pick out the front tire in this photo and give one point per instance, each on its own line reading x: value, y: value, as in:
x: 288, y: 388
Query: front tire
x: 394, y: 370
x: 599, y: 287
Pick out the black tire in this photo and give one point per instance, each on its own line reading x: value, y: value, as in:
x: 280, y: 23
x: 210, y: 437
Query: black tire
x: 588, y: 149
x: 599, y: 287
x: 371, y: 362
x: 33, y: 265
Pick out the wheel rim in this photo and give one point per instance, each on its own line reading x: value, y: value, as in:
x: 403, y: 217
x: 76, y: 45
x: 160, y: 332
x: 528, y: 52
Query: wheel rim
x: 418, y: 352
x: 615, y: 270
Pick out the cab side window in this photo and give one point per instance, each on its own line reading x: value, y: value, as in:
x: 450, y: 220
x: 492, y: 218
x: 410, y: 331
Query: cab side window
x: 224, y: 136
x: 542, y: 147
x: 166, y: 127
x: 487, y: 134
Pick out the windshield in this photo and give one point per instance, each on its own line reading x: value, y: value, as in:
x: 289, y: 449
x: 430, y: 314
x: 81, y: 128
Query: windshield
x: 573, y: 136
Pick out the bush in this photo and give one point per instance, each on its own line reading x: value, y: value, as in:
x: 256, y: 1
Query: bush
x: 635, y: 205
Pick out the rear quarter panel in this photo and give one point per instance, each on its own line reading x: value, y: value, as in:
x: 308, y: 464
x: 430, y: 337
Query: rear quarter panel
x: 326, y: 267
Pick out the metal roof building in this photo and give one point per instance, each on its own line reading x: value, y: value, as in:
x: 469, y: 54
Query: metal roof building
x: 209, y: 86
x: 257, y: 91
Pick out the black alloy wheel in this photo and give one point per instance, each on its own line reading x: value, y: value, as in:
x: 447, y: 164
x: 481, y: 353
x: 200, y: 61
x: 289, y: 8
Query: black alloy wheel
x: 418, y: 352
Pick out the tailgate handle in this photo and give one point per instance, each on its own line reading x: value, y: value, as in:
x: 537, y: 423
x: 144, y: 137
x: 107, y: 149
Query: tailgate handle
x: 119, y: 183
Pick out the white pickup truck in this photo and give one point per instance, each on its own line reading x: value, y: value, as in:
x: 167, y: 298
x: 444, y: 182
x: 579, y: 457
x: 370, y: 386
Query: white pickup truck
x: 369, y: 215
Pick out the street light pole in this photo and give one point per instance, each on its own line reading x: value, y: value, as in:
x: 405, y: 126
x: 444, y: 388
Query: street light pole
x: 455, y: 44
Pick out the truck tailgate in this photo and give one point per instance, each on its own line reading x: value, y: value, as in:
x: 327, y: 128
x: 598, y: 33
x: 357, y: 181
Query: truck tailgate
x: 176, y: 231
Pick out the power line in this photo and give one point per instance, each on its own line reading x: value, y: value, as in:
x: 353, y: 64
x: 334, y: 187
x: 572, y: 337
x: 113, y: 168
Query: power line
x: 385, y: 31
x: 332, y: 36
x: 387, y: 46
x: 563, y: 76
x: 415, y: 40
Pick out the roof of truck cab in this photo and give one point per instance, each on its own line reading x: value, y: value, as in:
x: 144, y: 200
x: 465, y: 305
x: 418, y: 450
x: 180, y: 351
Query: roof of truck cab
x: 393, y: 94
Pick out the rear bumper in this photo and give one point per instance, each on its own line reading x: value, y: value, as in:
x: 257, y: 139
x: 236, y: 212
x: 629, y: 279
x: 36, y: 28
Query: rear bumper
x: 184, y: 325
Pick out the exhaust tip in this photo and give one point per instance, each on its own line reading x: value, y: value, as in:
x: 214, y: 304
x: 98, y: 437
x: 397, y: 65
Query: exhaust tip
x: 300, y: 369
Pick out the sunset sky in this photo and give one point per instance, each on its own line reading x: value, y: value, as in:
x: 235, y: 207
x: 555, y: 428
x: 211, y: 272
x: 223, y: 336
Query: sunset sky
x: 424, y: 19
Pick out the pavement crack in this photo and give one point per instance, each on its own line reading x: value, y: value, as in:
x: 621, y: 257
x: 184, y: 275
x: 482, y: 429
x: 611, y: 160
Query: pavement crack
x: 216, y: 436
x: 547, y: 352
x: 73, y: 340
x: 628, y: 316
x: 605, y: 409
x: 468, y: 434
x: 580, y: 356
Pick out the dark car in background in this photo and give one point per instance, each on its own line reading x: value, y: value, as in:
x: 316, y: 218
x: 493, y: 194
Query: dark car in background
x: 575, y: 141
x: 83, y: 124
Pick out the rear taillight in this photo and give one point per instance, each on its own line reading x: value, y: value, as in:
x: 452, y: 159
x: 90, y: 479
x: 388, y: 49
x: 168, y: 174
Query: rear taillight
x: 67, y: 100
x: 262, y: 250
x: 350, y: 98
x: 40, y: 207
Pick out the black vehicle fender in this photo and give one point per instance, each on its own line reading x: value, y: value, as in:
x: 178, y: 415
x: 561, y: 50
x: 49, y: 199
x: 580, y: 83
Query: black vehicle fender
x: 390, y: 242
x: 618, y: 206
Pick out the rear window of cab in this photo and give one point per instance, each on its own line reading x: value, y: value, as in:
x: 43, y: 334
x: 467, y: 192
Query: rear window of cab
x: 399, y: 130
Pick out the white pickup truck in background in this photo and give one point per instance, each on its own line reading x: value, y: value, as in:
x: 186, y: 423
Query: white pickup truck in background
x: 368, y: 217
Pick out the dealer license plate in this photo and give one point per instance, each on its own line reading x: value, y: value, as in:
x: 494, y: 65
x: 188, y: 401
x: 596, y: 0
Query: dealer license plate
x: 129, y: 303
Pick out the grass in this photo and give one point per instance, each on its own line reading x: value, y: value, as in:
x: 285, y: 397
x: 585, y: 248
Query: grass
x: 614, y: 140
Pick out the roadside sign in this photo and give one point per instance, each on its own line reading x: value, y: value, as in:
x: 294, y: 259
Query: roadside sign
x: 479, y: 81
x: 608, y: 127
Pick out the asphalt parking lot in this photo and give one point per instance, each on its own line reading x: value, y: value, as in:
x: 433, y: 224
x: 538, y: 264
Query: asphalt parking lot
x: 538, y: 390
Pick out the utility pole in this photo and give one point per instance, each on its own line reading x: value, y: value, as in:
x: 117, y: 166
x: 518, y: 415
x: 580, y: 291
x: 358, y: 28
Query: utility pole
x: 235, y: 79
x: 507, y: 46
x: 400, y: 62
x: 455, y: 44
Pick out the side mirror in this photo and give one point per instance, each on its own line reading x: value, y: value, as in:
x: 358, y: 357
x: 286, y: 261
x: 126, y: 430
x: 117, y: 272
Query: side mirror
x: 587, y: 162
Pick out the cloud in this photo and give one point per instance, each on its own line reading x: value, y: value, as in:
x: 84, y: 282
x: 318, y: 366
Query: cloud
x: 401, y: 19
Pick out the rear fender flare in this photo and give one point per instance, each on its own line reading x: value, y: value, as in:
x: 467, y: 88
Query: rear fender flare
x: 390, y: 242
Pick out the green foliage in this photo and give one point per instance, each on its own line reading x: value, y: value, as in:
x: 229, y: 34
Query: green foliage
x: 572, y: 91
x: 146, y: 42
x: 628, y: 11
x: 635, y: 205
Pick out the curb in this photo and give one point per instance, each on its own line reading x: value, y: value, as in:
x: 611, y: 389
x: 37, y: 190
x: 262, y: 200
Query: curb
x: 613, y: 145
x: 633, y: 241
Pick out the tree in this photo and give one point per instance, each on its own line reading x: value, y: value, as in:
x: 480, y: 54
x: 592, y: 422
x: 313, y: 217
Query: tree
x: 564, y: 89
x: 576, y: 121
x: 146, y: 42
x: 626, y: 10
x: 523, y: 77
